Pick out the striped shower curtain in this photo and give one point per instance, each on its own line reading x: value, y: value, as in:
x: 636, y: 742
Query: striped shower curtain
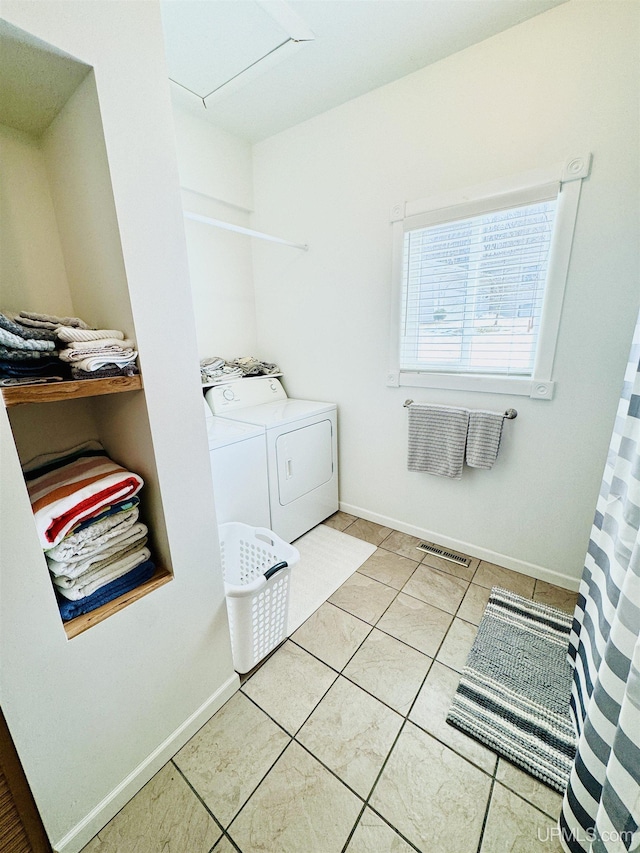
x: 601, y: 808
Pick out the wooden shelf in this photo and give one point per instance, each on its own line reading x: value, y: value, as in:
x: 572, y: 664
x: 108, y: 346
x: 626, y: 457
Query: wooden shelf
x: 82, y: 623
x: 52, y: 392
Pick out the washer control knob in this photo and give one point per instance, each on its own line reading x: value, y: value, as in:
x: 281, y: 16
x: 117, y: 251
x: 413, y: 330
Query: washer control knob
x: 228, y: 394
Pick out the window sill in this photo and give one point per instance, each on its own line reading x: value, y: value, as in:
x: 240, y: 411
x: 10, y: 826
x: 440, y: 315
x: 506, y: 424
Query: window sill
x: 522, y: 387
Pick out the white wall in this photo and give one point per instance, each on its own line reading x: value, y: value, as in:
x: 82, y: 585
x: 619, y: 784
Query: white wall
x: 94, y: 717
x: 216, y: 177
x: 29, y: 231
x: 80, y: 184
x: 559, y: 84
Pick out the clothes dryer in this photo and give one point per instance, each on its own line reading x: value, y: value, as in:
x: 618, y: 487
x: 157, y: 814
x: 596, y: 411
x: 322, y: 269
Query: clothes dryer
x: 302, y: 449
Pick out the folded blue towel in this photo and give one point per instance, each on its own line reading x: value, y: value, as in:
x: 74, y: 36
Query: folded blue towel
x: 46, y: 366
x: 137, y: 576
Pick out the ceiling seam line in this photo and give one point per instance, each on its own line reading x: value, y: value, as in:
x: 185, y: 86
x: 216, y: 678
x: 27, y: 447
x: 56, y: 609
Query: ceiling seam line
x: 235, y: 76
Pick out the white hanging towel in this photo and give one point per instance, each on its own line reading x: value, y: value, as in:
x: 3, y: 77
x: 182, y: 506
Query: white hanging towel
x: 483, y: 439
x: 437, y: 439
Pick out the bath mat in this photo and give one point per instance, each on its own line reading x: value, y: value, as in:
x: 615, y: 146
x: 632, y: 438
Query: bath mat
x: 327, y: 558
x: 513, y: 694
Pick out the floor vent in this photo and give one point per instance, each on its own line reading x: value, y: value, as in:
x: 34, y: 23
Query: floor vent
x: 446, y: 555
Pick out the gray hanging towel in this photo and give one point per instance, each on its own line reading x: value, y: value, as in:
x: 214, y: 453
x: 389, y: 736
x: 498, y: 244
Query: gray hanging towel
x: 483, y: 439
x: 437, y: 438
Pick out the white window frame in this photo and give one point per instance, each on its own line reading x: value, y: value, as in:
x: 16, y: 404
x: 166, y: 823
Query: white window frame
x: 474, y: 201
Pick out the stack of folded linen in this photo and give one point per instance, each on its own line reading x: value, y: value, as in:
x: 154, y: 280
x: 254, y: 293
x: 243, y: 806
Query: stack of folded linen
x: 97, y: 353
x: 86, y: 512
x: 47, y: 322
x: 28, y: 353
x: 215, y: 371
x: 251, y: 366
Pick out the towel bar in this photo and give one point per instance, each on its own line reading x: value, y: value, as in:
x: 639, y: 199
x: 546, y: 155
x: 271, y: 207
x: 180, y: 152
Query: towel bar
x: 510, y: 414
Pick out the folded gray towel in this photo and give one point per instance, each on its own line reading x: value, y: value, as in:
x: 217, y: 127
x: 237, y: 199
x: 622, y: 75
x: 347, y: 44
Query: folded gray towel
x: 437, y: 439
x: 48, y: 321
x: 109, y: 370
x: 483, y: 439
x: 7, y: 322
x: 13, y: 354
x: 18, y: 342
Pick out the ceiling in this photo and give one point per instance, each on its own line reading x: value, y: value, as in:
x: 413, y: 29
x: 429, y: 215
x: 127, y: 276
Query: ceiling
x: 256, y: 67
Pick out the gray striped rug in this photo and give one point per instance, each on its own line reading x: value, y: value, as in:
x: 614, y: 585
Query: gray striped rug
x: 514, y: 691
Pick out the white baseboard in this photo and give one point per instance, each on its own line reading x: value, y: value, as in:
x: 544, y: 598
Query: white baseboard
x: 97, y: 819
x: 525, y: 568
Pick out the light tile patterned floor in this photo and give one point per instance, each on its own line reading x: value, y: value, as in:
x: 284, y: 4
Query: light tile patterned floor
x: 338, y: 743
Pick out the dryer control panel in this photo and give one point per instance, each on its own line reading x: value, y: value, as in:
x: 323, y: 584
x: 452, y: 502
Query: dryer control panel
x: 242, y: 393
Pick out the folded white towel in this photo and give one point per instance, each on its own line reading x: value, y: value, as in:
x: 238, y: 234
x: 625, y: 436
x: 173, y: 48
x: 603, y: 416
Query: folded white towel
x: 71, y: 569
x: 483, y: 439
x: 437, y: 439
x: 69, y: 333
x: 70, y: 354
x: 95, y: 362
x: 93, y: 581
x: 86, y: 542
x: 98, y: 345
x: 212, y: 362
x: 220, y: 375
x: 99, y: 570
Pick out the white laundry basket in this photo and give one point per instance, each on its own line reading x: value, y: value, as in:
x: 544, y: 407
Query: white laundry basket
x: 256, y: 565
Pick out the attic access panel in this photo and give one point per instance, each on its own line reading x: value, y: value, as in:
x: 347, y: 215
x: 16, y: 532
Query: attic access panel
x: 210, y: 44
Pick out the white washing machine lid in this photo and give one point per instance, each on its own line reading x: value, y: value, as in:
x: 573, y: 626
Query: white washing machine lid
x: 269, y: 415
x: 222, y: 432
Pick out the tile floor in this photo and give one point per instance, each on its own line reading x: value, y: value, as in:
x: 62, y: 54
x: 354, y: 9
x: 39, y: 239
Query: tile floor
x: 338, y: 742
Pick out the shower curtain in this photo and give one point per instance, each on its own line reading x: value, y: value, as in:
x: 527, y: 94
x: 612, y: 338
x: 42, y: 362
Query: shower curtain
x: 601, y: 807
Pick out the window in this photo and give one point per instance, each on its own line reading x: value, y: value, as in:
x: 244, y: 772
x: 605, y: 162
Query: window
x: 479, y: 287
x: 472, y: 291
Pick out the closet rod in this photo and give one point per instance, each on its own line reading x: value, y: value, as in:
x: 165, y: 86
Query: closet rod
x: 218, y: 223
x: 217, y: 200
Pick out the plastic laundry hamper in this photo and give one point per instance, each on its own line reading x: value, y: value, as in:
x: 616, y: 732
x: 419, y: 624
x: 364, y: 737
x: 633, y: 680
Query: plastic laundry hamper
x: 256, y: 565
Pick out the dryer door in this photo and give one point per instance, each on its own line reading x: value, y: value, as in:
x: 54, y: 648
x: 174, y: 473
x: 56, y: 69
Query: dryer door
x: 304, y: 459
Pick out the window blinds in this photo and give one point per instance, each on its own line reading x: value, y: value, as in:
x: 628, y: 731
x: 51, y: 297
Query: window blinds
x: 473, y: 288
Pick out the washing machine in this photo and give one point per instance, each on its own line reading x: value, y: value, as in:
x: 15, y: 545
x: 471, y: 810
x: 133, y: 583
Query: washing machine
x: 238, y: 455
x: 302, y: 449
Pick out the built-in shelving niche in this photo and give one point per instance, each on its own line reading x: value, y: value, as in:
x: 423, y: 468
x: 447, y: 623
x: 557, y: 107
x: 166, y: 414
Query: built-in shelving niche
x: 62, y: 255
